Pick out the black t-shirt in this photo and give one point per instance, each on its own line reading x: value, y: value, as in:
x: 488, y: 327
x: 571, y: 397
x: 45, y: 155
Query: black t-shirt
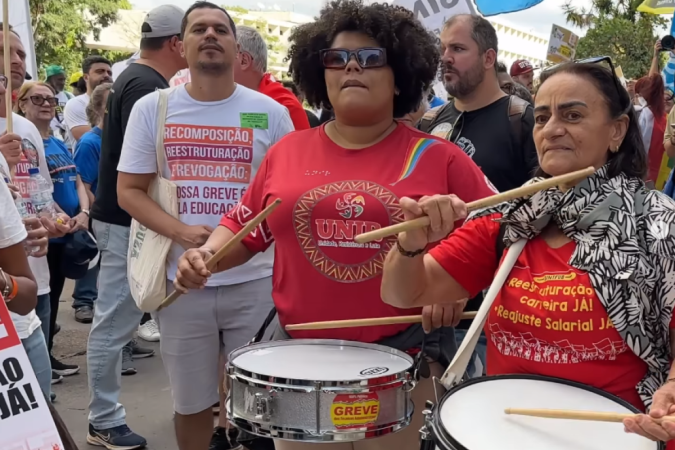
x: 488, y: 136
x: 137, y: 81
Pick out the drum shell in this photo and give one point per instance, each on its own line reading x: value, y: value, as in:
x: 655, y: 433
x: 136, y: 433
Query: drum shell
x: 300, y: 410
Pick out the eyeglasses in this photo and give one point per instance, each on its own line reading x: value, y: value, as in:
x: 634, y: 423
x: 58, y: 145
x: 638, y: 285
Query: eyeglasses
x: 3, y: 80
x: 606, y: 62
x: 367, y: 58
x: 39, y: 100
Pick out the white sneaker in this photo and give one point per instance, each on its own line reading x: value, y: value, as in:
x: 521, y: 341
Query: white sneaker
x: 149, y: 331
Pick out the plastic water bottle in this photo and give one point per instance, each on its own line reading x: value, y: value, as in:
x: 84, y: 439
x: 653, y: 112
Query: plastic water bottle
x: 41, y: 194
x: 24, y: 212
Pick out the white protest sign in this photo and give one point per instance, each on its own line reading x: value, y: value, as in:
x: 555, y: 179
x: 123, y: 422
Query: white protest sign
x: 434, y: 13
x: 19, y: 19
x: 25, y: 421
x: 182, y: 77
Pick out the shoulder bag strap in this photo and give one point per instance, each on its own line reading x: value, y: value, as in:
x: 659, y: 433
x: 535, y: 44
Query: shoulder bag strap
x: 457, y: 367
x: 162, y: 107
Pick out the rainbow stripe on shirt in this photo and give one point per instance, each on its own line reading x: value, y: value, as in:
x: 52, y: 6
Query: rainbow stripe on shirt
x: 412, y: 158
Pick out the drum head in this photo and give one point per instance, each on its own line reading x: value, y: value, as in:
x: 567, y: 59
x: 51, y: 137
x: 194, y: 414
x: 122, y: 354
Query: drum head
x: 323, y: 360
x: 471, y: 417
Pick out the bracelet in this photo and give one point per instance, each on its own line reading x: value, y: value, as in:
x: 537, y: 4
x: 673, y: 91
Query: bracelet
x: 15, y: 289
x: 7, y: 288
x: 408, y: 254
x: 86, y: 211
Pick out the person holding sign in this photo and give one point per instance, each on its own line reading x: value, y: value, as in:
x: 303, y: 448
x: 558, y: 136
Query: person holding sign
x: 590, y: 299
x: 369, y: 64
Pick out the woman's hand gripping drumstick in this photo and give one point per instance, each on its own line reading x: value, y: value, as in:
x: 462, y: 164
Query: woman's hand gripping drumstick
x: 427, y: 220
x: 364, y: 322
x: 202, y: 262
x: 577, y: 415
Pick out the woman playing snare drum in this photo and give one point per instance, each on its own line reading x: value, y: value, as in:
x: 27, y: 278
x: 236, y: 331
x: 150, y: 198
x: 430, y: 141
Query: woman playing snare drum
x: 368, y: 64
x: 591, y: 297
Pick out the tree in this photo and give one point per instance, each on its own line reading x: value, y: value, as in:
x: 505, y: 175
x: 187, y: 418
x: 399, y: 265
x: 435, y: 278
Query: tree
x: 60, y: 28
x: 616, y: 29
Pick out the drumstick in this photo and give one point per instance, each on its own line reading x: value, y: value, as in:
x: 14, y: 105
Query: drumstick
x: 225, y: 249
x: 364, y: 322
x: 577, y: 415
x: 513, y: 194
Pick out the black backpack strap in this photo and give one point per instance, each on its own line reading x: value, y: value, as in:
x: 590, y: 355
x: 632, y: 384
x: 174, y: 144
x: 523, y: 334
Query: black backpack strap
x: 428, y: 118
x: 261, y: 332
x: 517, y: 108
x: 500, y: 245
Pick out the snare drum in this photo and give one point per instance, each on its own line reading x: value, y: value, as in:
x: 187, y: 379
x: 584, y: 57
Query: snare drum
x: 471, y: 417
x: 319, y: 390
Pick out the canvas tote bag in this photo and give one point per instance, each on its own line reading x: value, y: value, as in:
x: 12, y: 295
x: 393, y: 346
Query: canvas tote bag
x: 146, y: 260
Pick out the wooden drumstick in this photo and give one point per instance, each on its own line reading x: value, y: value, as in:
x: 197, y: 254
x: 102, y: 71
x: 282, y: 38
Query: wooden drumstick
x: 577, y: 415
x: 225, y: 249
x: 513, y: 194
x: 364, y: 322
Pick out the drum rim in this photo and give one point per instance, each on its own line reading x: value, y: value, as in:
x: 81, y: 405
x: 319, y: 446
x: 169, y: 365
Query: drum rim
x: 294, y: 383
x: 444, y: 440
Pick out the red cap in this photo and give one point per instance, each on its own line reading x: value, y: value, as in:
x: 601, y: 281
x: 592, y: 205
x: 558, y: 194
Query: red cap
x: 520, y: 67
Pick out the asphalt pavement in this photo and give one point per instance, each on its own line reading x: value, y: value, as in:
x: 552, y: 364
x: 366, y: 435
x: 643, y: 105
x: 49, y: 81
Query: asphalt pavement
x: 146, y: 396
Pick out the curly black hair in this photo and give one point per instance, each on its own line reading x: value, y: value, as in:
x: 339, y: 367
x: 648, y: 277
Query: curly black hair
x: 412, y: 51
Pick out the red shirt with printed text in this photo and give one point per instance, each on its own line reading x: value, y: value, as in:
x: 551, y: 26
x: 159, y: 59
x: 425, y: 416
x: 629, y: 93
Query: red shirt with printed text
x: 547, y: 319
x: 329, y: 195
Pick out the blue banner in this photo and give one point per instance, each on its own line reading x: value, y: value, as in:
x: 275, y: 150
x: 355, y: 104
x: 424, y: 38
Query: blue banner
x: 494, y: 7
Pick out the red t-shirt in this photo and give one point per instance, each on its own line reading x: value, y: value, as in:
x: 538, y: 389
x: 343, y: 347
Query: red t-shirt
x: 330, y: 194
x: 547, y: 319
x: 276, y: 91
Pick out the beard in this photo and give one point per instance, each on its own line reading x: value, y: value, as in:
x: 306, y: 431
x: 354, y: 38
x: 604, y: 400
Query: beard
x: 467, y: 83
x: 212, y: 67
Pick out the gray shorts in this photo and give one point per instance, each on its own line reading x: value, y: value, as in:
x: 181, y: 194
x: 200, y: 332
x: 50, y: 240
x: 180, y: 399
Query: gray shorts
x: 199, y: 327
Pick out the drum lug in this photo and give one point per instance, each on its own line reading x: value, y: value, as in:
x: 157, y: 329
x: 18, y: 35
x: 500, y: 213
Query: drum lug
x: 263, y: 406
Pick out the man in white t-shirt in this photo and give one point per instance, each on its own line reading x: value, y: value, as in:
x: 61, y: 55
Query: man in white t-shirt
x: 216, y: 135
x: 96, y: 70
x: 121, y: 66
x: 56, y: 78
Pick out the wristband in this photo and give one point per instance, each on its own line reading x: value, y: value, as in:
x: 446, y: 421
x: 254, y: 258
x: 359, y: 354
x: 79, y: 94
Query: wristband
x: 86, y: 211
x: 407, y: 253
x: 15, y: 289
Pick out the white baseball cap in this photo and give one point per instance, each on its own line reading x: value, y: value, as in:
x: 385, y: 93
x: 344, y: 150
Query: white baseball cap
x: 162, y: 21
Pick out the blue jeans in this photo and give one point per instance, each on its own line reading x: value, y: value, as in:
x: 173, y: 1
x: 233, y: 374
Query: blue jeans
x: 86, y: 289
x: 36, y: 349
x: 116, y: 317
x: 43, y: 310
x: 478, y: 353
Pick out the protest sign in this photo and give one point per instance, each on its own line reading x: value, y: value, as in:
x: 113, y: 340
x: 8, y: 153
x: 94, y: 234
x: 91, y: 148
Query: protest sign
x: 434, y: 13
x: 182, y: 77
x: 562, y: 45
x: 25, y: 421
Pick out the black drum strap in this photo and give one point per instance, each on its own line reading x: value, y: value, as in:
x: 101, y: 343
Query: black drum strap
x: 420, y: 368
x: 261, y: 333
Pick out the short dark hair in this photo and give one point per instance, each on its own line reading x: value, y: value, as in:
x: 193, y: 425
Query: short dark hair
x: 482, y: 31
x: 94, y: 59
x: 202, y: 5
x: 412, y: 51
x: 156, y: 43
x: 11, y: 28
x: 501, y: 67
x: 631, y: 158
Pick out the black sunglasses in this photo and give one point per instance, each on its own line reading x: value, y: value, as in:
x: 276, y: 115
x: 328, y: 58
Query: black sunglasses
x: 605, y: 61
x: 39, y: 100
x: 367, y: 58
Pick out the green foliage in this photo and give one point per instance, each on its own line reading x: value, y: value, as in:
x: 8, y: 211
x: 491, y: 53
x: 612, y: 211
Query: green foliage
x: 61, y: 27
x: 616, y: 29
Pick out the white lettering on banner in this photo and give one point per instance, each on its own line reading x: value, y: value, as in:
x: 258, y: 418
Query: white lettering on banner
x: 25, y: 421
x: 434, y: 13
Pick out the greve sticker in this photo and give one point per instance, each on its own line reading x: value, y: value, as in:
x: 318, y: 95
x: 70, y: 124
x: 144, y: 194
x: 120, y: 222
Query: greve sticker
x: 350, y: 411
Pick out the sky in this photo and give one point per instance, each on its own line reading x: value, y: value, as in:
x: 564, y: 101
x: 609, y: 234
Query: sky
x: 538, y: 18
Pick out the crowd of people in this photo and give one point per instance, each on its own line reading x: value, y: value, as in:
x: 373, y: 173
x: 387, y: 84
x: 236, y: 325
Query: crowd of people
x: 357, y: 131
